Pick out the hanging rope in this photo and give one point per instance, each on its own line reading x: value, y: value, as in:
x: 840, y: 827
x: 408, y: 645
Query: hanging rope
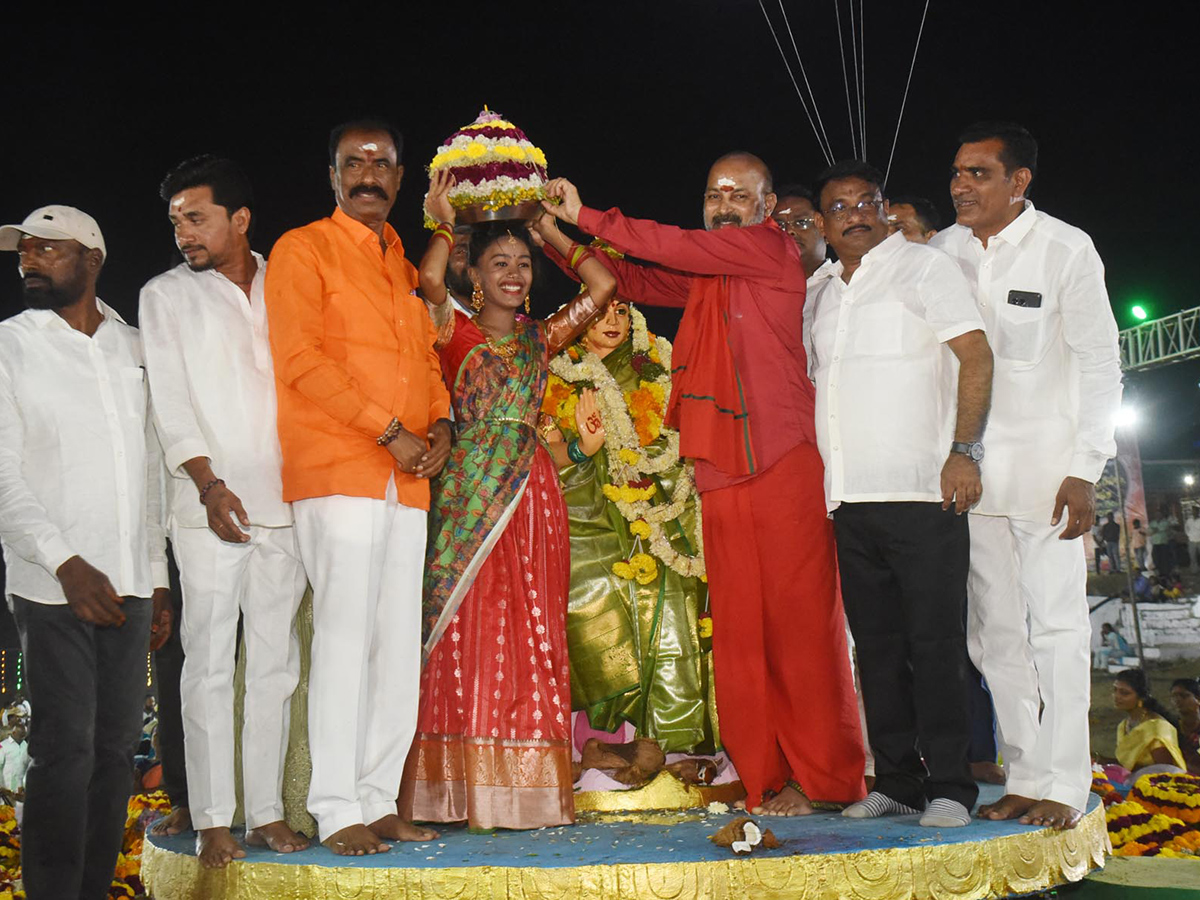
x: 857, y: 85
x: 828, y: 148
x: 845, y: 75
x: 862, y: 102
x: 787, y: 65
x: 904, y: 100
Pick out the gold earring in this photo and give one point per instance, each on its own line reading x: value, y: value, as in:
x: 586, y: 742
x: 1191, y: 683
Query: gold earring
x: 477, y: 297
x: 526, y: 304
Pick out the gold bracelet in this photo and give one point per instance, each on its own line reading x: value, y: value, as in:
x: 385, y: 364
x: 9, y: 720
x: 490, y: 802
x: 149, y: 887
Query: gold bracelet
x: 390, y: 433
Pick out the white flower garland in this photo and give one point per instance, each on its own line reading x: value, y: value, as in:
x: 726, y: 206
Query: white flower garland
x: 622, y: 445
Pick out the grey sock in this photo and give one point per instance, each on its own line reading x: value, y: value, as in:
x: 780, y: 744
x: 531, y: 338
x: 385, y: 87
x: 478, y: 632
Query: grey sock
x: 944, y: 813
x: 876, y: 805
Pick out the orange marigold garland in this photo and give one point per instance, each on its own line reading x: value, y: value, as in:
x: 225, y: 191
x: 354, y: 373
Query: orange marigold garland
x: 1173, y: 794
x: 633, y: 425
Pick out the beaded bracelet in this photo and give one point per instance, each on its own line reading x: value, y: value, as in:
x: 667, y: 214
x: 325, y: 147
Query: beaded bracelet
x: 574, y: 453
x: 208, y: 487
x: 390, y: 433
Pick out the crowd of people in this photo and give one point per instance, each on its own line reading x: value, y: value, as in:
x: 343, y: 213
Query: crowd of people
x: 340, y: 419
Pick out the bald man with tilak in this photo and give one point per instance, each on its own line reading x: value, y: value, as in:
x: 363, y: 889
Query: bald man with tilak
x: 743, y: 405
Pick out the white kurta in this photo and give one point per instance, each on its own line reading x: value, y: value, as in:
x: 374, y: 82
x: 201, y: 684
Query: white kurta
x: 1056, y: 390
x: 209, y: 362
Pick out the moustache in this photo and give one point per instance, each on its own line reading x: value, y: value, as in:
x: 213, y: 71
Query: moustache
x: 853, y: 228
x: 368, y: 189
x: 726, y: 219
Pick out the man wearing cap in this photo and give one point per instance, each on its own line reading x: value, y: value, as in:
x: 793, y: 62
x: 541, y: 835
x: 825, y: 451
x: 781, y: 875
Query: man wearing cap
x: 204, y: 332
x: 363, y: 425
x: 743, y: 404
x: 81, y: 527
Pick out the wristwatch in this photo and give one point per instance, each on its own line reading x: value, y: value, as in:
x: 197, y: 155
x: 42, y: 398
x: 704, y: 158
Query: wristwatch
x: 973, y: 450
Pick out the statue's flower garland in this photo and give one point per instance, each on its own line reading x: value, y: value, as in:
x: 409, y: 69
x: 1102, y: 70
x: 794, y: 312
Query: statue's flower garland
x: 632, y: 422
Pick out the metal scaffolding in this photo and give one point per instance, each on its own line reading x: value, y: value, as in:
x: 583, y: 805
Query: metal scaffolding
x: 1170, y: 339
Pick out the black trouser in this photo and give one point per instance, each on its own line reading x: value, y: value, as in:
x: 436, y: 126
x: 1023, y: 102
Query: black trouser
x: 904, y: 584
x: 168, y: 664
x: 87, y: 686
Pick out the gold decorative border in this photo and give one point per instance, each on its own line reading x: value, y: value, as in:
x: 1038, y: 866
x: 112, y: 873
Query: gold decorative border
x: 1014, y: 864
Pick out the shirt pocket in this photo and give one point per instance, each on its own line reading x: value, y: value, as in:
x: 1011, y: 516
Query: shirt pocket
x: 131, y: 386
x: 1019, y: 331
x: 878, y: 329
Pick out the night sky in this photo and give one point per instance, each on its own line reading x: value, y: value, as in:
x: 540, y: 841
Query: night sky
x: 632, y: 102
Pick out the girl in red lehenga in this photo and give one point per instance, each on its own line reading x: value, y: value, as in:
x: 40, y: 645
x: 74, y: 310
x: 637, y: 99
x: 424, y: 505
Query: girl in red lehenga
x: 493, y: 741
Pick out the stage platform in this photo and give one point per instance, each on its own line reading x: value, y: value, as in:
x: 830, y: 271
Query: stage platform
x: 631, y: 856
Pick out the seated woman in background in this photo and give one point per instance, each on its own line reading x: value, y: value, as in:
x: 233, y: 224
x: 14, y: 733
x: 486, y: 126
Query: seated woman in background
x: 1185, y: 693
x: 1146, y: 737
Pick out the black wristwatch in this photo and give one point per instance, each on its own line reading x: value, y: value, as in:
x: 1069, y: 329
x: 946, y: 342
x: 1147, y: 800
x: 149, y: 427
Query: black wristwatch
x: 973, y: 450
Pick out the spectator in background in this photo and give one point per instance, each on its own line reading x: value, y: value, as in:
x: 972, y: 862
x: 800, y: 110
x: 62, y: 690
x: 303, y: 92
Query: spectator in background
x: 1098, y: 542
x: 796, y: 214
x: 1110, y: 532
x: 1112, y: 646
x: 14, y: 760
x: 1138, y: 542
x: 1185, y: 694
x: 1160, y: 543
x: 1192, y: 529
x: 915, y: 217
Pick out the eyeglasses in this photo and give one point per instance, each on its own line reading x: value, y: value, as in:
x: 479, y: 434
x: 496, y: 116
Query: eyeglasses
x: 790, y: 224
x: 839, y: 211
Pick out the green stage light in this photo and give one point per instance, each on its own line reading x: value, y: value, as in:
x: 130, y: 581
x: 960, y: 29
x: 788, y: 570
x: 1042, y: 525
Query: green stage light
x: 1139, y: 312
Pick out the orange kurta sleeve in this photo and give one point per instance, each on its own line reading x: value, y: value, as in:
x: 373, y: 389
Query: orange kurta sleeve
x: 294, y: 298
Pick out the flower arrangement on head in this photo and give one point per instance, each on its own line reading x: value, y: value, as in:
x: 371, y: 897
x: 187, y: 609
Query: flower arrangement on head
x: 637, y: 444
x: 497, y: 172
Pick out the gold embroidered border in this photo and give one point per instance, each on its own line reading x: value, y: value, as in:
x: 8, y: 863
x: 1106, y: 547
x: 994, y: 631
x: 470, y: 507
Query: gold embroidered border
x: 1020, y: 863
x: 664, y: 792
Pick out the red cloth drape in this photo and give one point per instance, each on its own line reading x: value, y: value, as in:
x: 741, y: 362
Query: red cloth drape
x: 785, y: 691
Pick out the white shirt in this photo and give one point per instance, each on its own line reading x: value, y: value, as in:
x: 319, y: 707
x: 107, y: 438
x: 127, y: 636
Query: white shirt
x: 1192, y: 529
x: 14, y: 762
x: 80, y: 466
x: 209, y: 362
x: 886, y: 384
x: 1057, y: 383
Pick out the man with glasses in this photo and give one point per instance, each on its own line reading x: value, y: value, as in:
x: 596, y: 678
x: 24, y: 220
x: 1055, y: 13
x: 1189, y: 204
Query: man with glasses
x: 903, y: 377
x: 743, y: 404
x: 796, y: 214
x: 1039, y: 284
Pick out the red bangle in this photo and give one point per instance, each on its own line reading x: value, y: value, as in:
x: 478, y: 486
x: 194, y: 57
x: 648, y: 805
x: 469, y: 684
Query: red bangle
x: 443, y: 230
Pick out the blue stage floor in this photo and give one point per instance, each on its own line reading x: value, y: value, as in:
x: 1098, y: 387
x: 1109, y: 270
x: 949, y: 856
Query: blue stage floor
x: 603, y: 839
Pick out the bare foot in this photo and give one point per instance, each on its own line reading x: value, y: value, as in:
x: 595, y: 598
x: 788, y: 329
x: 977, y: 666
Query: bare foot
x: 355, y: 840
x: 1010, y: 806
x: 395, y: 828
x: 788, y: 802
x: 217, y: 848
x: 178, y: 821
x: 276, y: 836
x: 987, y: 772
x: 1050, y: 814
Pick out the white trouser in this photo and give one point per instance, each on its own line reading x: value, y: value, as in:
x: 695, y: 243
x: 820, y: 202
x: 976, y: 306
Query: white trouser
x: 265, y: 580
x: 1028, y: 633
x: 365, y: 559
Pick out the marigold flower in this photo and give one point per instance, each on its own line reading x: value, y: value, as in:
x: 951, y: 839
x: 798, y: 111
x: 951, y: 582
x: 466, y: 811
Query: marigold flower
x: 639, y: 528
x: 645, y: 569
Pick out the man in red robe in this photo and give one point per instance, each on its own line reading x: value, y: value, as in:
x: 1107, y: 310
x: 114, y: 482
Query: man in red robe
x: 743, y: 404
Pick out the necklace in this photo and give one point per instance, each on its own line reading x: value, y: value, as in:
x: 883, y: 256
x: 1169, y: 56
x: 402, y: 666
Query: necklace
x: 505, y: 352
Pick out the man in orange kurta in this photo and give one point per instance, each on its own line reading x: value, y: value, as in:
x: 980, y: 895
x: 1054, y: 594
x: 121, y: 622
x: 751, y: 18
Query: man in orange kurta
x: 363, y: 423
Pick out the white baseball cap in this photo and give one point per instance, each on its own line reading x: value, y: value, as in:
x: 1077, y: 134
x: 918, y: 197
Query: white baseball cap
x: 56, y: 223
